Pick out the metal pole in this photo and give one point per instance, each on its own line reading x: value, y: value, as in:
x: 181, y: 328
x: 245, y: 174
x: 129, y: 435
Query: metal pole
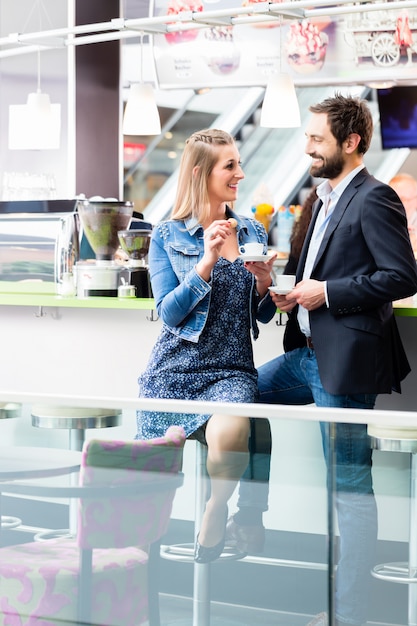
x: 331, y: 491
x: 201, y: 590
x: 76, y: 441
x: 412, y: 545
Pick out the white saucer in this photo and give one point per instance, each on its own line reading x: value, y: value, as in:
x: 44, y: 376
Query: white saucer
x: 280, y: 292
x: 255, y: 257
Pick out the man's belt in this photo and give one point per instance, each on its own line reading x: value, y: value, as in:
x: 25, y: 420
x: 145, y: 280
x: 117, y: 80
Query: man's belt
x: 309, y: 343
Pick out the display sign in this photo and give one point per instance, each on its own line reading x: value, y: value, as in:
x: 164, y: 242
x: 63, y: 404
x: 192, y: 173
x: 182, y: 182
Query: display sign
x: 358, y: 47
x: 241, y: 55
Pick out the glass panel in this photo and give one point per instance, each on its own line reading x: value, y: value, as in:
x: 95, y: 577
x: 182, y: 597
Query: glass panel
x: 283, y: 579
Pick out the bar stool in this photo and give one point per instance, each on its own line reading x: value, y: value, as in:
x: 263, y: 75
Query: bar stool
x: 392, y: 439
x: 185, y: 552
x: 75, y: 419
x: 9, y: 410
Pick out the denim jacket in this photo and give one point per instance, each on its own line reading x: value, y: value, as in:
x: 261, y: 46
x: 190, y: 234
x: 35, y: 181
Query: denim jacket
x: 182, y: 297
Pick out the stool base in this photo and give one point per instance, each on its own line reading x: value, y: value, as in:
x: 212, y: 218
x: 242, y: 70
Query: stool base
x: 10, y: 522
x: 62, y: 533
x: 397, y: 572
x: 184, y: 552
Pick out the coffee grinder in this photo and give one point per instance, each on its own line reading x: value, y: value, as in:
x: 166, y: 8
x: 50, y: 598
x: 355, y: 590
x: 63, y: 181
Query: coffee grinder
x: 135, y: 243
x: 101, y: 221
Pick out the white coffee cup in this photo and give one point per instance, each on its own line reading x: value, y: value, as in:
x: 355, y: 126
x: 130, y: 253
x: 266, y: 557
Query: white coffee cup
x: 285, y: 282
x: 252, y: 249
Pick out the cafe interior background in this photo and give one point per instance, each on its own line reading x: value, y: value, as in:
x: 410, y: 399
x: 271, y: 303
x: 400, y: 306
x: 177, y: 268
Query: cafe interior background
x: 88, y: 91
x: 212, y: 73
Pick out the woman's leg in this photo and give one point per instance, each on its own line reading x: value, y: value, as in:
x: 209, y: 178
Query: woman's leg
x: 227, y: 457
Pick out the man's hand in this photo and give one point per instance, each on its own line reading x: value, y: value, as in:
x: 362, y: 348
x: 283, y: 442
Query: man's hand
x: 309, y: 293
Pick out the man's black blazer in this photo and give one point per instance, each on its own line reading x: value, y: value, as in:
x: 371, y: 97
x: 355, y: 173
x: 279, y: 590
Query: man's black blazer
x: 367, y: 261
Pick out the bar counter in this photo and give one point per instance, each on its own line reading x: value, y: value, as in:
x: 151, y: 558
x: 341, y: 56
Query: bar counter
x: 98, y: 346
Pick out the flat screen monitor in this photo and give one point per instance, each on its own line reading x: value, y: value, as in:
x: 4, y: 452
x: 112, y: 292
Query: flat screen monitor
x: 398, y: 117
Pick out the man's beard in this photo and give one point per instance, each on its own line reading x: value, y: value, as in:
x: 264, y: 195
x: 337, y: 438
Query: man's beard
x: 331, y: 167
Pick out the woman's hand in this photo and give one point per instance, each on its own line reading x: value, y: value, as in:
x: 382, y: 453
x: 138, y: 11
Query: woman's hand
x: 215, y: 236
x: 284, y: 303
x: 262, y: 271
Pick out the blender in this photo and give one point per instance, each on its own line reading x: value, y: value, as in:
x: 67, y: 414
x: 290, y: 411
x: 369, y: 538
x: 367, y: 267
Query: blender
x: 135, y: 243
x: 101, y: 220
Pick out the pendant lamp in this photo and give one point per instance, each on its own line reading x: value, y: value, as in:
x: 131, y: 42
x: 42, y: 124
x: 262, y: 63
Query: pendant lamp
x: 141, y: 116
x: 35, y: 125
x: 280, y: 107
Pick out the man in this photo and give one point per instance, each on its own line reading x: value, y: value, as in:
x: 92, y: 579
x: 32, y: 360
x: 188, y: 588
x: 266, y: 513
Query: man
x: 406, y: 187
x: 343, y: 347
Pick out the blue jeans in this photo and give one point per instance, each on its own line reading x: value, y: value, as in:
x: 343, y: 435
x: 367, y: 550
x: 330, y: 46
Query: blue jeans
x: 293, y: 378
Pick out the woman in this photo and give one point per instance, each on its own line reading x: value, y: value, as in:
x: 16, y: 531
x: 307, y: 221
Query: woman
x: 208, y: 300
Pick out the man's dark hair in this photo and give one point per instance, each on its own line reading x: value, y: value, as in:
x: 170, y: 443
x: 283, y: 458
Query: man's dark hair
x: 347, y: 115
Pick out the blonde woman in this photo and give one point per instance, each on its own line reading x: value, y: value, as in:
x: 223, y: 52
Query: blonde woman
x: 208, y: 299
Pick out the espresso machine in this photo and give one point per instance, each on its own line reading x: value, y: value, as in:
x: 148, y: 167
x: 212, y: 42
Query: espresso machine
x: 135, y: 243
x: 101, y: 220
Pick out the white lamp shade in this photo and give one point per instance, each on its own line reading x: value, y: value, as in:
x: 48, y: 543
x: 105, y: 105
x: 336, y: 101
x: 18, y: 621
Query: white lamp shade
x: 40, y: 104
x: 280, y: 107
x: 35, y: 125
x: 141, y: 115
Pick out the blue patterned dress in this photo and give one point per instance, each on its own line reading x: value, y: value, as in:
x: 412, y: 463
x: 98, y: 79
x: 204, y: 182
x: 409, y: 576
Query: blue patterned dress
x: 218, y: 368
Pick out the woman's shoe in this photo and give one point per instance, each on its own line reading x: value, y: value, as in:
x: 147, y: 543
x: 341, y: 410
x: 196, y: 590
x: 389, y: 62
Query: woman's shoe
x: 206, y: 555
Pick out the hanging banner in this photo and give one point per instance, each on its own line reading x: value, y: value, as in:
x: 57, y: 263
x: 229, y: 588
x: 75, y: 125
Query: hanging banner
x: 359, y: 47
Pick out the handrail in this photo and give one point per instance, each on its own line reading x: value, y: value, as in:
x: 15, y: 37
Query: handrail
x: 308, y: 413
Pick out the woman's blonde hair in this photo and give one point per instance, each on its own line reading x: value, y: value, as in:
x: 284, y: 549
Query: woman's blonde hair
x: 200, y: 152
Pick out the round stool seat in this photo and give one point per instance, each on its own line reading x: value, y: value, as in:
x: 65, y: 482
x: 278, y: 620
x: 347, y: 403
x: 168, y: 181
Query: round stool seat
x: 393, y: 438
x: 10, y: 409
x: 76, y: 420
x: 47, y: 416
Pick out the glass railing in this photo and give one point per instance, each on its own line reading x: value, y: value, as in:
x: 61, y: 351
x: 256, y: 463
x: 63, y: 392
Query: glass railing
x: 293, y: 577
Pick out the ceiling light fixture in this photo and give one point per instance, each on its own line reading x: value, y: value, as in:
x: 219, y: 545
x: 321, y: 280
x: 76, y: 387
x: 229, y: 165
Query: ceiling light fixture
x: 35, y: 125
x: 280, y: 108
x: 381, y: 84
x: 141, y: 116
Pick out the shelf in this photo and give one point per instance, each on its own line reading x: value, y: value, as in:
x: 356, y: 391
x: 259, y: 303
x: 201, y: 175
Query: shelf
x: 42, y: 294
